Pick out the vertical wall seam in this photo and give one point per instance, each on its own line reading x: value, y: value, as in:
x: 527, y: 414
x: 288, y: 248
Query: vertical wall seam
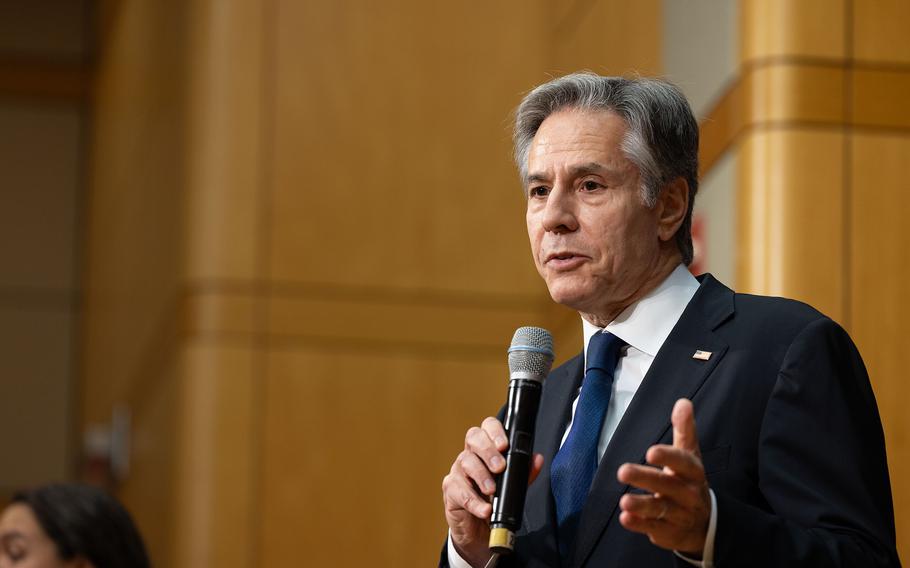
x: 259, y: 358
x: 847, y: 173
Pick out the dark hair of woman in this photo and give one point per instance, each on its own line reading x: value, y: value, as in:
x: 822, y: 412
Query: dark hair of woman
x: 85, y: 521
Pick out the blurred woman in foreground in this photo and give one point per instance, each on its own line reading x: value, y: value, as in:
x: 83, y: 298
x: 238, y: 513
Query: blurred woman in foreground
x: 68, y: 526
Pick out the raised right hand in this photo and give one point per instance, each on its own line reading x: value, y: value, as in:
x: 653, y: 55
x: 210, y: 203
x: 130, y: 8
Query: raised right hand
x: 469, y: 486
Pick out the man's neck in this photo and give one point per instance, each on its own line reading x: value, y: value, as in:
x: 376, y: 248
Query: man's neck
x: 660, y: 273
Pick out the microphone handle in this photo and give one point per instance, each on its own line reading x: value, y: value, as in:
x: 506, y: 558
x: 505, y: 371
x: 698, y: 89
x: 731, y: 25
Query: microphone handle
x: 512, y: 483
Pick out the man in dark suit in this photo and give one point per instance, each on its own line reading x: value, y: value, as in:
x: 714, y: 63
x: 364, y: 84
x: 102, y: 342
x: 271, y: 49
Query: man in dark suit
x: 786, y: 465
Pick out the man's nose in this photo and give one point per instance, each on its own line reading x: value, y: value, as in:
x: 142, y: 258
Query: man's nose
x: 559, y: 214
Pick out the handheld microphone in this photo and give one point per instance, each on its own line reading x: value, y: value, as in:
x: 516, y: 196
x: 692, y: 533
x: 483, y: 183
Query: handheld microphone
x: 530, y: 359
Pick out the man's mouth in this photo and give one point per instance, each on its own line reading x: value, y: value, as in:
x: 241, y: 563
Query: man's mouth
x: 564, y: 260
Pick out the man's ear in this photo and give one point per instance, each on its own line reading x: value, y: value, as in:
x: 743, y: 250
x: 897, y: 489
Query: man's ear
x: 672, y: 203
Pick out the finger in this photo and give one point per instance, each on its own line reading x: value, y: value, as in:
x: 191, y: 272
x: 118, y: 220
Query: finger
x: 475, y: 470
x: 479, y: 442
x: 683, y: 463
x: 653, y: 480
x: 650, y: 507
x: 458, y: 494
x: 536, y: 467
x: 496, y: 432
x: 664, y: 534
x: 659, y: 531
x: 683, y: 419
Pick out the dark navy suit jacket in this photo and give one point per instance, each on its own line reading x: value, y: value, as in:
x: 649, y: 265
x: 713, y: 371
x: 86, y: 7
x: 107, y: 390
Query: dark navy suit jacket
x: 789, y: 431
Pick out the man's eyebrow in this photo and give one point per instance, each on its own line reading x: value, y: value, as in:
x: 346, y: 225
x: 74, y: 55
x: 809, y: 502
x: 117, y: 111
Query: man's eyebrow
x: 574, y: 171
x: 589, y: 168
x: 535, y: 178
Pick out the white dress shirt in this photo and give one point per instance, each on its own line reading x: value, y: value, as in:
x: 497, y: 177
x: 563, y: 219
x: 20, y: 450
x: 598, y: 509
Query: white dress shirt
x: 644, y: 326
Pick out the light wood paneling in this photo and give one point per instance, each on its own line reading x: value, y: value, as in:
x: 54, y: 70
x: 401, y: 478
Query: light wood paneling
x: 781, y: 92
x: 344, y: 265
x: 133, y: 275
x: 389, y: 166
x: 880, y: 30
x: 223, y: 312
x: 136, y: 171
x: 470, y: 325
x: 791, y: 234
x: 781, y: 27
x: 880, y: 312
x: 606, y: 37
x: 881, y: 97
x: 818, y: 120
x: 149, y: 491
x: 356, y: 446
x: 225, y: 140
x: 216, y: 463
x: 769, y: 94
x: 821, y: 176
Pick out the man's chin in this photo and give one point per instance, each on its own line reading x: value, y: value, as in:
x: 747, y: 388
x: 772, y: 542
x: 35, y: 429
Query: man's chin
x: 570, y: 298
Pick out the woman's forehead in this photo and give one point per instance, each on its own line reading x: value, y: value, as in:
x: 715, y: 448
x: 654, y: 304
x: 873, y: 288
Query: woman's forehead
x: 19, y: 518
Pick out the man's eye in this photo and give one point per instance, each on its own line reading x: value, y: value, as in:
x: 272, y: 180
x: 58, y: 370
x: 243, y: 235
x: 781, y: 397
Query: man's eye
x: 539, y: 191
x: 591, y: 185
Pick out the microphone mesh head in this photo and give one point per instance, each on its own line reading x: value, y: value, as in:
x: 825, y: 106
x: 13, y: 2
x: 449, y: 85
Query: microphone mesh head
x: 531, y: 351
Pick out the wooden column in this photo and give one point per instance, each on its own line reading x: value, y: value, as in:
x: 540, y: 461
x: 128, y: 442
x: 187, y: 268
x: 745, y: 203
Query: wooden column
x: 819, y: 123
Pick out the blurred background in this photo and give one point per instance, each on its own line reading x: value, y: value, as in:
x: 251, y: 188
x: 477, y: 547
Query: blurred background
x: 260, y: 259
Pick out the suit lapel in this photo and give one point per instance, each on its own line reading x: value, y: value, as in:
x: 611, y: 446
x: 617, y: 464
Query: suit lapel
x: 674, y: 374
x: 560, y: 390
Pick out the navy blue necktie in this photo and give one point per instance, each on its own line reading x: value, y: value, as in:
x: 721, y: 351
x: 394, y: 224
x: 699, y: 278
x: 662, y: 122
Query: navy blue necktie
x: 573, y: 468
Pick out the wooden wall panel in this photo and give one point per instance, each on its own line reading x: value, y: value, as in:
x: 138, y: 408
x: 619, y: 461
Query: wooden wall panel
x: 340, y: 264
x: 880, y: 30
x: 134, y: 250
x: 795, y: 93
x: 822, y: 151
x: 149, y: 491
x: 216, y: 459
x: 880, y: 97
x: 225, y: 131
x: 391, y: 152
x: 773, y: 28
x: 599, y: 36
x: 134, y: 253
x: 356, y: 446
x: 790, y: 220
x: 880, y: 312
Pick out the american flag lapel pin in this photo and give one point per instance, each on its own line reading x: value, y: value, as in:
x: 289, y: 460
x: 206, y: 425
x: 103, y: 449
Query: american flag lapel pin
x: 701, y: 355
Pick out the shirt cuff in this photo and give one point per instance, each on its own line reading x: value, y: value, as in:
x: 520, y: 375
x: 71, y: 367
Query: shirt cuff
x: 455, y: 559
x: 707, y: 554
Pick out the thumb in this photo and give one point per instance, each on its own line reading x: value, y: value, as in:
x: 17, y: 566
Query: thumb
x: 683, y: 419
x: 536, y: 467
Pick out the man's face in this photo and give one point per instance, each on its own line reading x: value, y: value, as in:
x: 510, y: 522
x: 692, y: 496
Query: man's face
x: 594, y: 242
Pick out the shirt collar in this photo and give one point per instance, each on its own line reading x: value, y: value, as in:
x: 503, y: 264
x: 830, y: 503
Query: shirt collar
x: 647, y: 323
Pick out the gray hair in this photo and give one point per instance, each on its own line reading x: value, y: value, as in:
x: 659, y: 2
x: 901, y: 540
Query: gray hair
x: 662, y: 136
